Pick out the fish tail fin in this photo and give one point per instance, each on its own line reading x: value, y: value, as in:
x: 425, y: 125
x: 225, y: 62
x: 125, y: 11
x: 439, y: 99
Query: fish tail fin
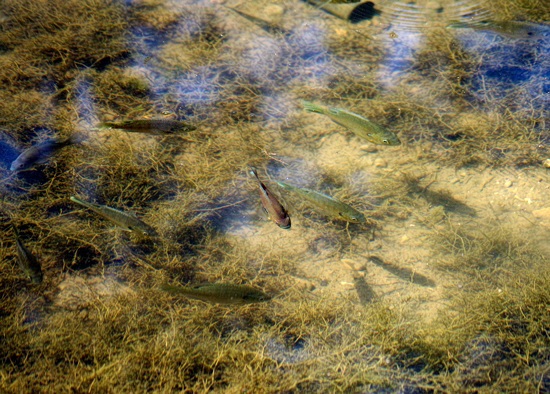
x: 284, y: 185
x: 170, y: 289
x: 105, y: 125
x: 189, y: 127
x: 15, y: 231
x: 64, y: 141
x: 79, y: 201
x: 310, y: 107
x: 253, y: 172
x: 454, y: 24
x: 77, y: 138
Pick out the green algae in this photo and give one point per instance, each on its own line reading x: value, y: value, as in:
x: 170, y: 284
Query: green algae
x: 98, y: 323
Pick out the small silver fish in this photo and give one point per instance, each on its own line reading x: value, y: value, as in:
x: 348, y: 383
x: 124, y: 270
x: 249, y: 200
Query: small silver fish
x: 512, y: 29
x: 27, y: 262
x: 122, y: 219
x: 220, y: 293
x: 276, y: 211
x: 327, y: 205
x: 362, y: 127
x: 39, y: 153
x: 149, y: 125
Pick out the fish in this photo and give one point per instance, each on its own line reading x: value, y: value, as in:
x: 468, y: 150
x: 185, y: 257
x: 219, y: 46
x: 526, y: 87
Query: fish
x: 328, y: 205
x: 266, y: 26
x: 39, y: 153
x: 276, y: 211
x: 125, y: 220
x: 512, y: 29
x: 362, y: 127
x: 27, y: 262
x: 149, y: 125
x: 220, y: 293
x: 323, y: 2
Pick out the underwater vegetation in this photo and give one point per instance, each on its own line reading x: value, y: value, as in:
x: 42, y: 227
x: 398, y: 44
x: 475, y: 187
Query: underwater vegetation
x: 414, y: 262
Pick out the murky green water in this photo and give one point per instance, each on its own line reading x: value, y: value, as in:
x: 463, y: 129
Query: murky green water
x: 442, y: 287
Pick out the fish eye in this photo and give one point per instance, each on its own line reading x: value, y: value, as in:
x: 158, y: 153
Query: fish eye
x: 530, y: 33
x: 385, y: 141
x: 340, y: 213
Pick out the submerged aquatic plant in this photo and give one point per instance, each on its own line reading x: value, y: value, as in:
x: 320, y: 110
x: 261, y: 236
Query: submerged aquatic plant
x: 472, y: 316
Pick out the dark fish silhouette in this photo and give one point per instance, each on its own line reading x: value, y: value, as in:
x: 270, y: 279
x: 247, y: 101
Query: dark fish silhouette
x: 27, y: 262
x: 276, y: 211
x: 39, y: 153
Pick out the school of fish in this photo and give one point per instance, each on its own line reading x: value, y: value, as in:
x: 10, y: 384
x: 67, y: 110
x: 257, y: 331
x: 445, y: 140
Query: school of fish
x: 226, y: 293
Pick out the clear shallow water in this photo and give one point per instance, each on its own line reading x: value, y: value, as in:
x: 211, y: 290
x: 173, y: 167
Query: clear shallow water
x: 430, y: 293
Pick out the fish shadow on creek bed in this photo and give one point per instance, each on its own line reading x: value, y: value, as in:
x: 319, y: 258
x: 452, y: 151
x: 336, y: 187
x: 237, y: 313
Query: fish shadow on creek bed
x: 28, y: 178
x: 289, y: 349
x: 318, y: 219
x: 440, y: 198
x: 365, y: 292
x: 224, y: 214
x: 405, y: 274
x: 448, y: 202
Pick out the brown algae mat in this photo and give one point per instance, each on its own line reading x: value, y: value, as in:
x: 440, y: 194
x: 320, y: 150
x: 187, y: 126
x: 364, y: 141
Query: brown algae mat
x: 444, y: 287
